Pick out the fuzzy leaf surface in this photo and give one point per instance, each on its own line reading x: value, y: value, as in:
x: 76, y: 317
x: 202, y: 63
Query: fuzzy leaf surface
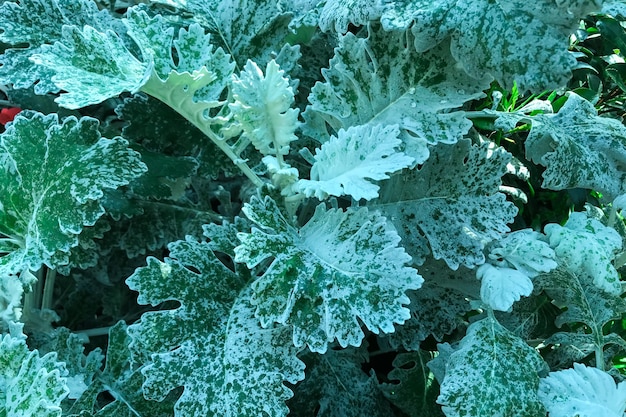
x: 350, y: 161
x: 338, y: 269
x: 451, y: 203
x: 524, y: 250
x: 212, y: 344
x: 583, y: 391
x: 502, y: 286
x: 577, y: 133
x: 483, y: 34
x: 492, y: 372
x: 52, y: 180
x: 382, y: 80
x: 32, y: 385
x: 91, y: 66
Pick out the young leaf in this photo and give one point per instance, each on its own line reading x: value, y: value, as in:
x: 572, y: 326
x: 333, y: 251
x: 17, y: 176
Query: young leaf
x: 501, y: 286
x: 338, y: 270
x: 348, y: 162
x: 382, y: 80
x: 91, y: 66
x: 32, y: 385
x: 212, y: 344
x: 525, y: 251
x: 582, y: 391
x: 52, y: 182
x: 587, y: 248
x: 491, y: 372
x: 577, y: 133
x: 337, y: 15
x: 11, y: 291
x: 484, y: 35
x: 262, y: 108
x: 451, y: 203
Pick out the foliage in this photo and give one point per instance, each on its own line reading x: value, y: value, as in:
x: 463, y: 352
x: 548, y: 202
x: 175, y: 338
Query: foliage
x: 312, y: 208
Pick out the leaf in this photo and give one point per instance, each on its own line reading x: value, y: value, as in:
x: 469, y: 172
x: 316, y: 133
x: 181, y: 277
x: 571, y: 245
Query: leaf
x: 337, y: 15
x: 338, y: 270
x: 32, y: 385
x: 491, y: 372
x: 577, y: 134
x: 121, y: 379
x: 587, y: 248
x: 212, y: 344
x: 583, y: 391
x: 337, y: 386
x: 262, y: 108
x: 525, y: 251
x: 91, y: 66
x: 501, y: 287
x: 51, y: 184
x: 438, y: 307
x: 451, y: 203
x: 347, y: 163
x: 485, y: 37
x: 35, y: 23
x: 11, y: 291
x: 382, y: 80
x: 409, y: 377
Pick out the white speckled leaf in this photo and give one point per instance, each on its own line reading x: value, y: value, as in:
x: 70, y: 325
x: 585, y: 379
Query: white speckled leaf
x: 32, y: 385
x: 51, y: 181
x: 582, y: 391
x: 586, y: 245
x: 212, y: 344
x: 491, y: 373
x: 451, y: 203
x: 382, y: 80
x: 262, y: 108
x: 91, y: 66
x: 512, y: 40
x: 525, y: 251
x: 338, y: 14
x: 338, y: 270
x: 35, y: 23
x: 350, y: 161
x: 501, y: 286
x: 579, y: 149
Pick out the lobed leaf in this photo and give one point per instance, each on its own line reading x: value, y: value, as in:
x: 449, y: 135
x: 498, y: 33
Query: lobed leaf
x: 382, y: 80
x: 338, y: 270
x: 348, y: 162
x: 212, y: 344
x: 511, y: 41
x: 501, y: 287
x: 491, y: 372
x: 52, y: 180
x: 584, y: 391
x: 451, y: 203
x: 32, y: 385
x: 577, y: 133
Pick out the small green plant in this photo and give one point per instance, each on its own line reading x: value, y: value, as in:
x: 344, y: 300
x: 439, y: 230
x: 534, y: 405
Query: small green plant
x: 334, y: 208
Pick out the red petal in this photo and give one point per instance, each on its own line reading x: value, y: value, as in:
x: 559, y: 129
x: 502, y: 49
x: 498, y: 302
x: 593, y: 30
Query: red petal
x: 8, y: 114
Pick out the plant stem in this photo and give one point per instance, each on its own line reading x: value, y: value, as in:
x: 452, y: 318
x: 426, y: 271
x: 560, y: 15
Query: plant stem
x: 48, y: 289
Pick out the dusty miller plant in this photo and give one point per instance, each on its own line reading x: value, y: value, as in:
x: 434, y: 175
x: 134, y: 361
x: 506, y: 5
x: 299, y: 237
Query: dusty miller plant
x: 295, y: 208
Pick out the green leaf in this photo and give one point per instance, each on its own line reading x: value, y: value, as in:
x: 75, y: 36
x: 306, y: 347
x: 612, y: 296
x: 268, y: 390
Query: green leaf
x: 347, y: 163
x: 382, y: 80
x: 513, y: 42
x: 582, y: 391
x: 262, y: 108
x: 91, y: 66
x: 413, y: 388
x: 451, y: 203
x: 121, y: 379
x: 491, y: 372
x: 11, y: 291
x: 32, y: 385
x: 51, y: 184
x: 35, y: 23
x: 337, y: 15
x: 338, y: 270
x: 579, y: 149
x: 587, y: 248
x: 212, y: 344
x: 337, y: 386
